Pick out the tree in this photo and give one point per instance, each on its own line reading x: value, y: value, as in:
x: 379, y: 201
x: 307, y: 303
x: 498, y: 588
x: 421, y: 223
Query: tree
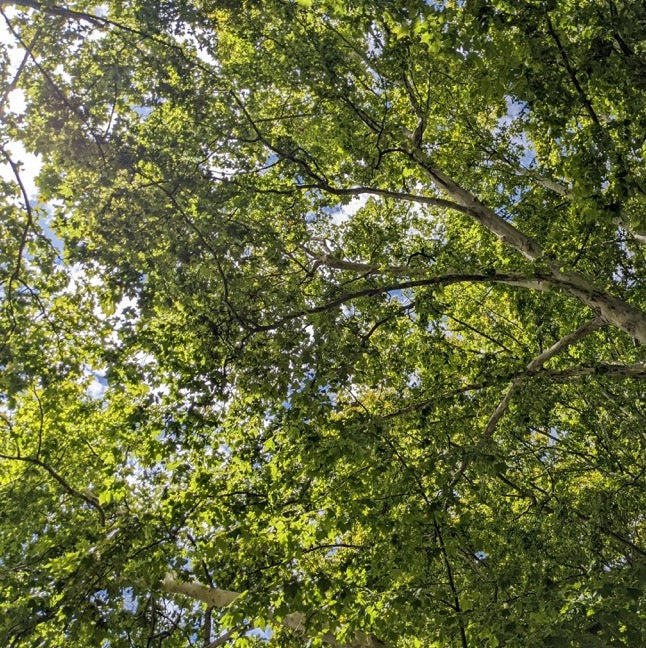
x: 346, y: 337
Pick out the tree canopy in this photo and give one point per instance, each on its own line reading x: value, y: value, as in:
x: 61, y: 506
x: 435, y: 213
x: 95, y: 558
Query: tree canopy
x: 328, y: 317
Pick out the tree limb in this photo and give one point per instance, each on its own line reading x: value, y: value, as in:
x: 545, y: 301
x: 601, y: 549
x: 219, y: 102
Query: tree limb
x: 385, y: 193
x: 536, y: 364
x: 297, y: 621
x: 615, y: 311
x: 546, y: 183
x: 87, y: 498
x: 28, y: 225
x: 636, y: 370
x: 537, y: 283
x: 531, y: 369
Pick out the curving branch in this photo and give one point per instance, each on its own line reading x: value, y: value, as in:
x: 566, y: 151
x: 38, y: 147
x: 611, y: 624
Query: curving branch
x: 13, y: 84
x: 535, y: 365
x: 537, y: 283
x: 613, y: 310
x: 28, y: 225
x: 638, y: 235
x: 572, y: 73
x: 384, y: 193
x: 543, y: 181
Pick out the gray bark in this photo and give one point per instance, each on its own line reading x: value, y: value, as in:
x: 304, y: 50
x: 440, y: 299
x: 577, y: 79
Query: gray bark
x: 613, y: 310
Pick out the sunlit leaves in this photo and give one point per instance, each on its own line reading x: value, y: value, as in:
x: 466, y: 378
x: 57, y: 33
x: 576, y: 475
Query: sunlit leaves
x: 246, y: 366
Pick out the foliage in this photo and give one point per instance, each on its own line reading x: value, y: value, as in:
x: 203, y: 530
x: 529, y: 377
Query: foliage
x: 343, y: 312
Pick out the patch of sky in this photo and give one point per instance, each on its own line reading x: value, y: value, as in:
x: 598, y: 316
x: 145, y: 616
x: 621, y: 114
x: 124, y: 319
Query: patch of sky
x: 327, y: 391
x: 619, y: 274
x: 514, y: 111
x: 203, y: 54
x: 404, y: 297
x: 344, y: 213
x: 528, y: 158
x: 375, y: 41
x: 63, y: 74
x: 414, y: 380
x: 515, y: 196
x: 143, y: 111
x: 264, y: 634
x: 98, y: 385
x: 440, y: 5
x: 441, y: 325
x: 45, y: 221
x: 29, y: 164
x: 29, y: 167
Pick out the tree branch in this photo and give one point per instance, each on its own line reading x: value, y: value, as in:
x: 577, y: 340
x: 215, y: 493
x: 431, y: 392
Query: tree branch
x: 28, y: 225
x: 297, y: 621
x: 536, y: 364
x: 87, y: 498
x: 14, y: 82
x: 454, y: 589
x: 570, y: 70
x: 531, y: 369
x: 636, y: 371
x: 543, y: 181
x: 386, y: 193
x: 615, y: 311
x: 537, y: 283
x: 222, y: 639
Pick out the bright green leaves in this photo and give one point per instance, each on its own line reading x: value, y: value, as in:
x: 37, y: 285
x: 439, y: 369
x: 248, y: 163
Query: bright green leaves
x: 275, y: 363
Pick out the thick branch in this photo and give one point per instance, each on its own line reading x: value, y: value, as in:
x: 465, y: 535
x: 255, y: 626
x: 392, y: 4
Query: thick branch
x: 615, y: 311
x: 385, y: 193
x: 637, y: 234
x: 544, y: 182
x: 506, y: 232
x: 213, y: 597
x: 536, y: 364
x: 297, y: 621
x: 221, y: 640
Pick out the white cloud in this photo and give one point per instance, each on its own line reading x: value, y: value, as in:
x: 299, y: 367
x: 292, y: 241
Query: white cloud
x: 346, y: 212
x: 96, y: 389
